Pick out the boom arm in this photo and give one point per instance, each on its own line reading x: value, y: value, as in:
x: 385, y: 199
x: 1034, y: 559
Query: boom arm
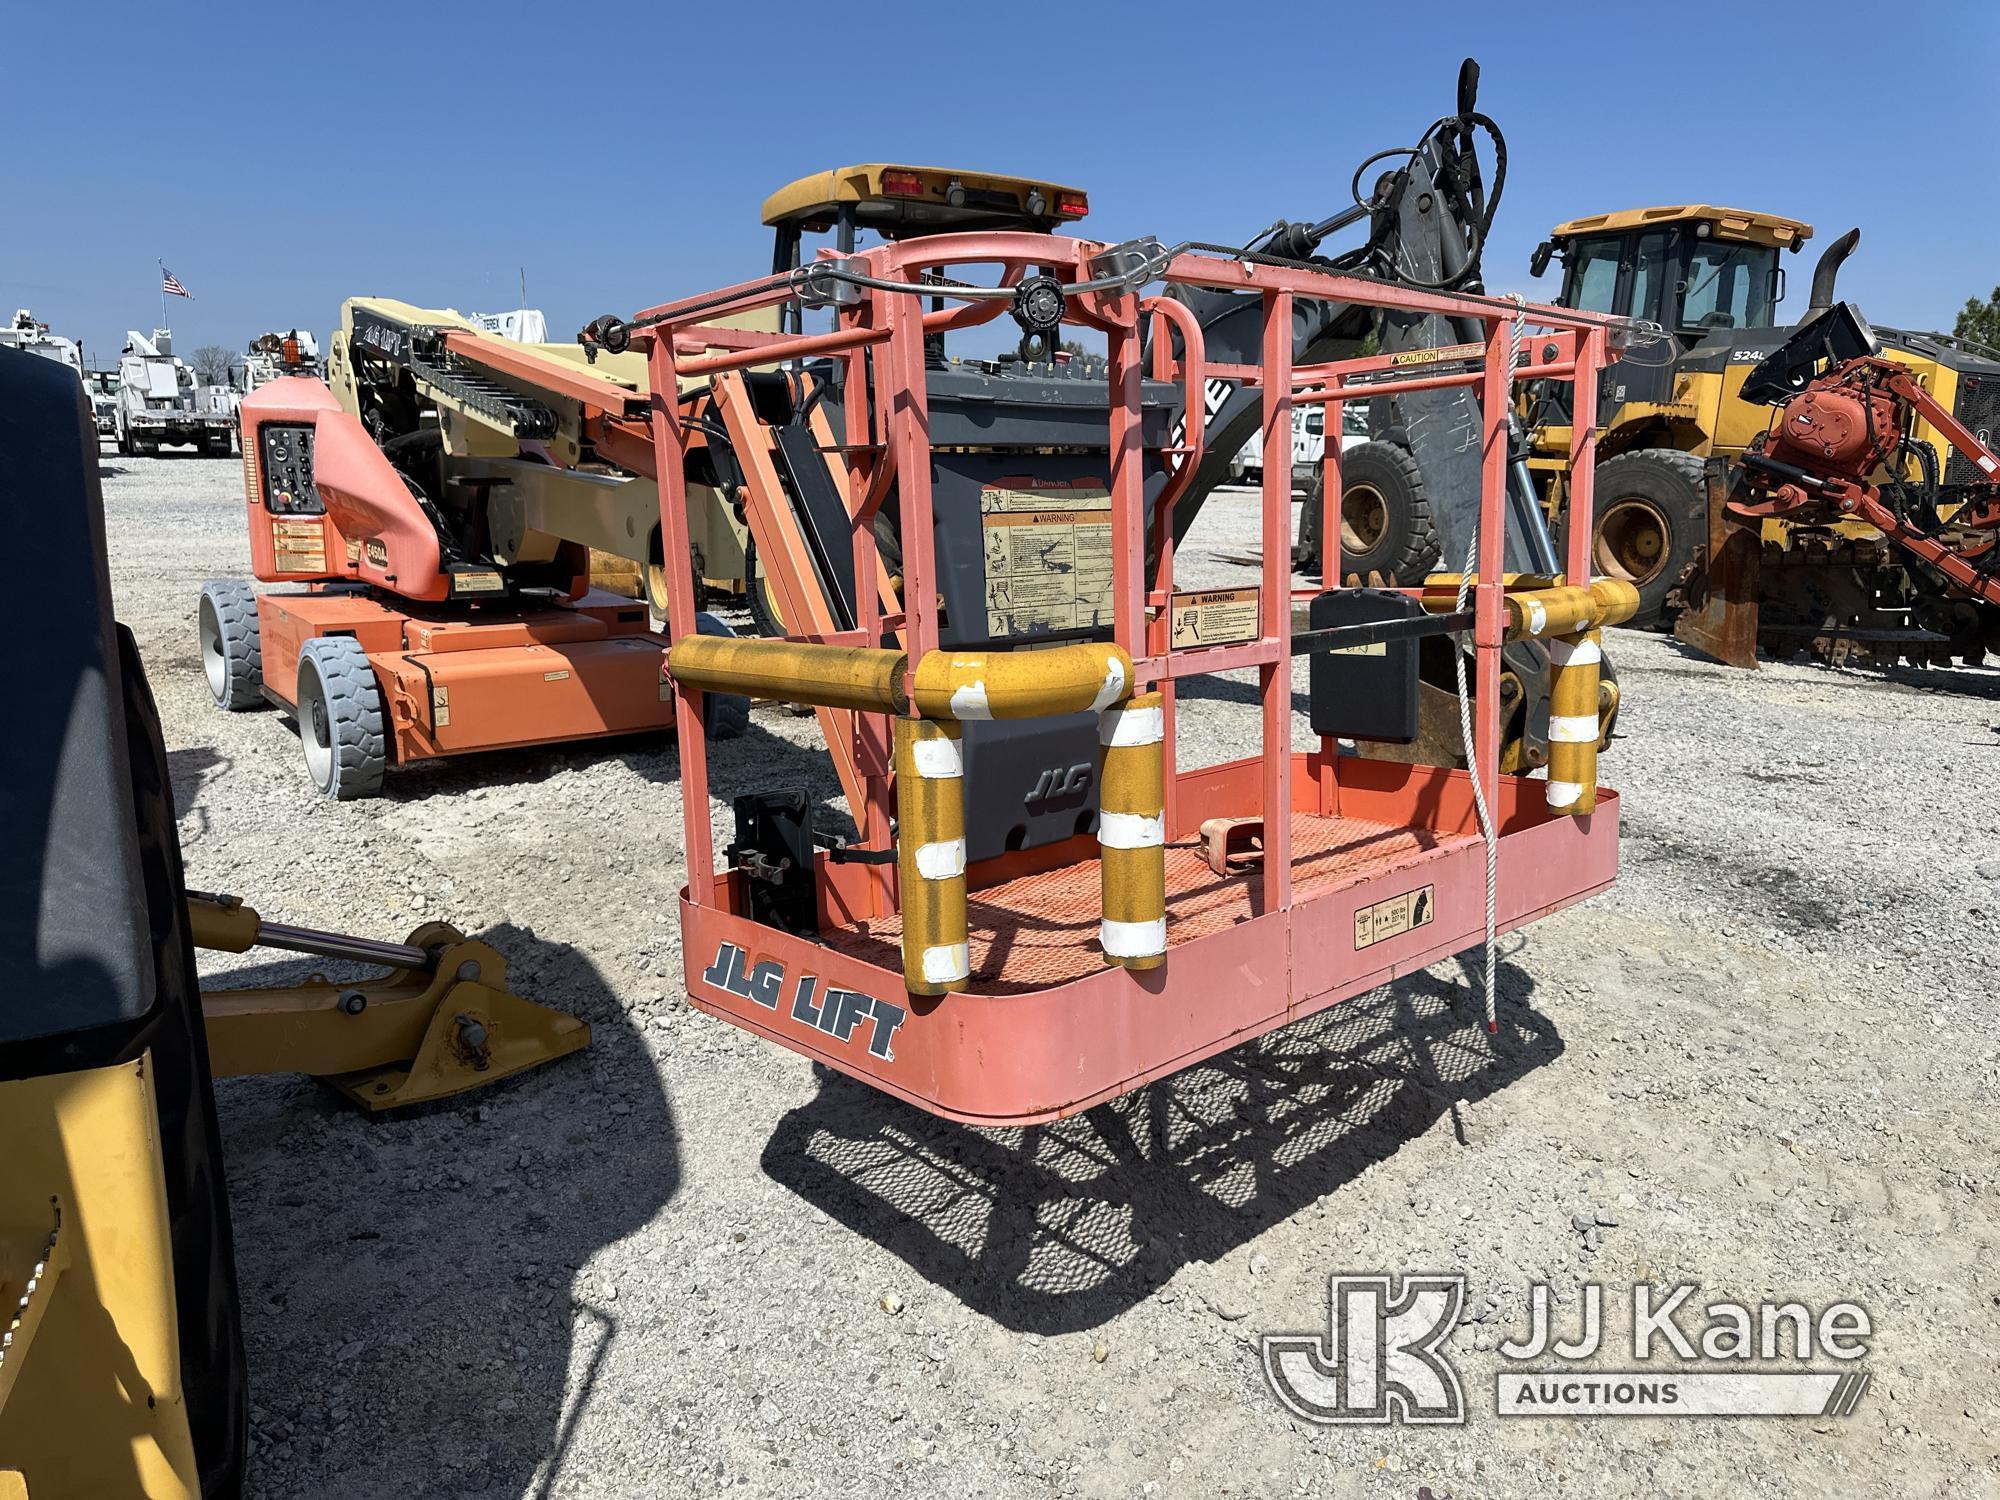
x: 1428, y: 222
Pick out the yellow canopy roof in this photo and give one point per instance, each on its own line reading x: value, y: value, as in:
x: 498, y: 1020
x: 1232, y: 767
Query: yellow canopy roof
x: 929, y: 195
x: 1730, y: 223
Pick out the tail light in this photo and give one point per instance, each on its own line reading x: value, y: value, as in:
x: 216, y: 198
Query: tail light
x: 902, y: 184
x: 1073, y: 205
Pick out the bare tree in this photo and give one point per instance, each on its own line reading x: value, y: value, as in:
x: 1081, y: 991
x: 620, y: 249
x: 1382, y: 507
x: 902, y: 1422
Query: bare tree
x: 215, y: 364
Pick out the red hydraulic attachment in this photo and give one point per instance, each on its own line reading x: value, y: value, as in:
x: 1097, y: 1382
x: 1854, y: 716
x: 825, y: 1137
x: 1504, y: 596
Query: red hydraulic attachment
x: 1370, y: 869
x: 1850, y: 424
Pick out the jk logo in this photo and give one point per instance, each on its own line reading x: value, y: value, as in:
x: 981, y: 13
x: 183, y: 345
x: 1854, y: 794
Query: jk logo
x: 1380, y: 1360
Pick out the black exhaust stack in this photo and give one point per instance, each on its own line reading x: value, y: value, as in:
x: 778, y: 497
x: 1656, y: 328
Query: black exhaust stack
x: 1830, y: 261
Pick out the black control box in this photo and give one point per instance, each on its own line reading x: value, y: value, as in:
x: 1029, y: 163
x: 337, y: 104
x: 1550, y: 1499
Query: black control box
x: 773, y: 851
x: 1363, y: 689
x: 287, y: 468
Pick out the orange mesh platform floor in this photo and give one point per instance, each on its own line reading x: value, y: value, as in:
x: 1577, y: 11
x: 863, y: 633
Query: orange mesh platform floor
x: 1040, y: 930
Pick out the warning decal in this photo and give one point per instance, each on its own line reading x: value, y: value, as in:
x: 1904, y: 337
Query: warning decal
x: 298, y: 546
x: 1216, y: 618
x: 1394, y: 917
x: 1048, y: 555
x: 1436, y: 356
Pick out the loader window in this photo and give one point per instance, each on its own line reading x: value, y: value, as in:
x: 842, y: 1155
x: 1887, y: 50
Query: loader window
x: 1728, y: 286
x: 1649, y: 270
x: 1593, y: 275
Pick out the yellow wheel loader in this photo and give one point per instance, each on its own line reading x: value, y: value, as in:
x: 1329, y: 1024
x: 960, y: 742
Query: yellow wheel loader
x: 121, y: 1353
x: 1711, y: 278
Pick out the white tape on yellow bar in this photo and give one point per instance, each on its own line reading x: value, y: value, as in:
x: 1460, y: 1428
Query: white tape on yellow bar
x: 1133, y: 939
x: 1116, y: 830
x: 948, y: 963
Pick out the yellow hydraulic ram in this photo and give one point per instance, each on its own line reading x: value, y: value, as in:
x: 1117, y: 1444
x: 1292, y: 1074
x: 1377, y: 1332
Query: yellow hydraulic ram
x: 440, y: 1022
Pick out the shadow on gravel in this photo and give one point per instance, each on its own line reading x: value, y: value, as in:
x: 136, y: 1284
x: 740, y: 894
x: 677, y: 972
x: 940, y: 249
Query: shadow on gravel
x: 408, y: 1282
x: 756, y: 758
x: 1805, y: 901
x: 497, y: 770
x: 191, y: 768
x: 1061, y: 1227
x: 1959, y: 681
x: 1227, y: 690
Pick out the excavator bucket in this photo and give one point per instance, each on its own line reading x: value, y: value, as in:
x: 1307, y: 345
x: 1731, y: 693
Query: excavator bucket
x: 1720, y: 619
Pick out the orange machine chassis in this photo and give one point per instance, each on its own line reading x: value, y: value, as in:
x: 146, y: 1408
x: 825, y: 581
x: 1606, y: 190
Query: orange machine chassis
x: 458, y: 667
x: 452, y: 685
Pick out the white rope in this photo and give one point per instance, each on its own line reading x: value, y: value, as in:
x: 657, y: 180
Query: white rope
x: 1478, y: 786
x: 1515, y: 330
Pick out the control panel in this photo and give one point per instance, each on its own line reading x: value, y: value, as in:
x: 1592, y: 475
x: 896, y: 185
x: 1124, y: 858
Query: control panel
x: 287, y: 466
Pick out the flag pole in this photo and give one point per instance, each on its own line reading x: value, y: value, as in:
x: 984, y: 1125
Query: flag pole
x: 163, y: 293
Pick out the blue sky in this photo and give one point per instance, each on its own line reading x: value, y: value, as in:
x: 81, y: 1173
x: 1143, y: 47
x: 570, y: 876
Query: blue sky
x: 279, y: 158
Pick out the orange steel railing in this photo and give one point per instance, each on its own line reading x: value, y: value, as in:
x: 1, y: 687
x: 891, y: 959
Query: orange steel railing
x: 879, y: 335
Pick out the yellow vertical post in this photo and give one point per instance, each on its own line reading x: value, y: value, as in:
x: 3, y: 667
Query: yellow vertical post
x: 1132, y: 833
x: 930, y: 855
x: 1573, y: 722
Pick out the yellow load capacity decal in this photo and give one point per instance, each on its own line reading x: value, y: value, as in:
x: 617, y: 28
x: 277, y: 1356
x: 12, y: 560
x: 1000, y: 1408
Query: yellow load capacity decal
x: 1394, y: 917
x: 1048, y: 556
x: 1217, y: 617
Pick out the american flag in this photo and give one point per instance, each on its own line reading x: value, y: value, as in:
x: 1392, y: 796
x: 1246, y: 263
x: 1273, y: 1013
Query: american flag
x: 170, y: 283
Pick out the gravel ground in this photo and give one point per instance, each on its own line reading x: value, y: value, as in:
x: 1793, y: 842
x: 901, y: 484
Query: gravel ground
x: 682, y: 1264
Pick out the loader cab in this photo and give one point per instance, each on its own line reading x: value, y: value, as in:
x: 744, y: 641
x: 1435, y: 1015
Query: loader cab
x: 1710, y: 277
x: 1694, y: 269
x: 841, y: 209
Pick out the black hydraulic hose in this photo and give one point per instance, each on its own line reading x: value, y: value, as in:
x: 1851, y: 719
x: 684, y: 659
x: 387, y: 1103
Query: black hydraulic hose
x: 408, y: 442
x: 1480, y: 223
x: 1367, y: 205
